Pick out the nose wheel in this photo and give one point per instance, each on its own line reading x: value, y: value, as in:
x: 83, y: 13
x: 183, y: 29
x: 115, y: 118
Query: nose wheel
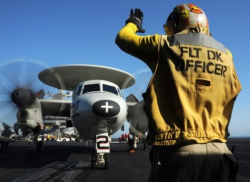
x: 93, y: 161
x: 106, y: 160
x: 100, y: 159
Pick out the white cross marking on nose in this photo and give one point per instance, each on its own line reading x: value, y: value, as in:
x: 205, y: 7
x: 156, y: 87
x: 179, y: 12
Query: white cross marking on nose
x: 107, y: 107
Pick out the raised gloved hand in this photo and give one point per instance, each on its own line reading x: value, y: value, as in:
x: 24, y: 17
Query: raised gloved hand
x: 136, y: 18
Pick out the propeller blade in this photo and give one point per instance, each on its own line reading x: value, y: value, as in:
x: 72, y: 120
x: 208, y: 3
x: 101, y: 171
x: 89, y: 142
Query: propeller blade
x: 36, y: 86
x: 5, y: 98
x: 7, y: 109
x: 23, y: 75
x: 142, y: 79
x: 6, y: 84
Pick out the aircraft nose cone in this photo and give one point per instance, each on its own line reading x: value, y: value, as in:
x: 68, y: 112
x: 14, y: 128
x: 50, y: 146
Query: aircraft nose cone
x: 106, y: 108
x: 22, y: 97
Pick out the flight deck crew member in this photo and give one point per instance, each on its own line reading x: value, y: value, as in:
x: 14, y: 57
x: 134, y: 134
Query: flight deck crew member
x: 190, y: 97
x: 5, y: 144
x: 144, y: 141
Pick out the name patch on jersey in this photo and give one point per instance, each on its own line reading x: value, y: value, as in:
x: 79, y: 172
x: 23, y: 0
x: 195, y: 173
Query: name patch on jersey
x: 213, y: 65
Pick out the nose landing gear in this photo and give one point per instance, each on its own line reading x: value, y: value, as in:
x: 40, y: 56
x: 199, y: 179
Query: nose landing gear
x: 101, y: 157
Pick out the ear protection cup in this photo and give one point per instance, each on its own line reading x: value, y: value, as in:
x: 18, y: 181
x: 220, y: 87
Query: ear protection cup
x: 169, y: 28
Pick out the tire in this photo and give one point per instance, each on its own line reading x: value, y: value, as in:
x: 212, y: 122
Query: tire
x: 93, y: 161
x: 106, y: 158
x: 93, y: 165
x: 64, y: 140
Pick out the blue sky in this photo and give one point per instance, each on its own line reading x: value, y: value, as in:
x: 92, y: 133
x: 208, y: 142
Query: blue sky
x: 60, y: 32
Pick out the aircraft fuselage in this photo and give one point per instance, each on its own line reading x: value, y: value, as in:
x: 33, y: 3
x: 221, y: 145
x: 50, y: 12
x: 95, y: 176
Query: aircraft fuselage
x: 97, y: 107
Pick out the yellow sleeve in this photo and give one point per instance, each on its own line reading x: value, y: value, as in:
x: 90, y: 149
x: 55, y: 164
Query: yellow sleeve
x: 143, y: 47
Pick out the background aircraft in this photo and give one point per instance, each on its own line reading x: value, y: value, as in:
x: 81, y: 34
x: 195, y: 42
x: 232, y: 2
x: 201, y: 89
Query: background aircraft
x: 97, y: 109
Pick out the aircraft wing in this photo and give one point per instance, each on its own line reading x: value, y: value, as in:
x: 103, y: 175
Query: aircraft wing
x: 53, y: 107
x: 136, y: 115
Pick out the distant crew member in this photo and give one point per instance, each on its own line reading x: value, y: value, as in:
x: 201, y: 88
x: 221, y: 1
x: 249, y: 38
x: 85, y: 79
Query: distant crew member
x: 48, y: 137
x: 120, y: 139
x: 144, y: 141
x: 131, y: 145
x: 123, y: 137
x: 5, y: 143
x: 126, y: 137
x: 139, y: 137
x: 136, y: 140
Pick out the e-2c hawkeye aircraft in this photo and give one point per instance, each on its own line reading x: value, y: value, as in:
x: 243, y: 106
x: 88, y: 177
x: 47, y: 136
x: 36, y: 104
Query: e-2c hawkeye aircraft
x: 97, y: 109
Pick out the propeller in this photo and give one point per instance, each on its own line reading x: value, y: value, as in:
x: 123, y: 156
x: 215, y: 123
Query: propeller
x: 134, y: 94
x: 142, y: 78
x: 19, y: 85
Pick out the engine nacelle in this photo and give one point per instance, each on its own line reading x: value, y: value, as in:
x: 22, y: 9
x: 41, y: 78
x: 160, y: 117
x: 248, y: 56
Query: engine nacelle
x: 29, y: 118
x: 137, y: 118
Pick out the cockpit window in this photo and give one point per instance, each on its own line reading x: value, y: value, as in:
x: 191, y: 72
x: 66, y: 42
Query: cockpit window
x: 120, y: 93
x: 78, y: 91
x: 108, y: 88
x: 91, y: 88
